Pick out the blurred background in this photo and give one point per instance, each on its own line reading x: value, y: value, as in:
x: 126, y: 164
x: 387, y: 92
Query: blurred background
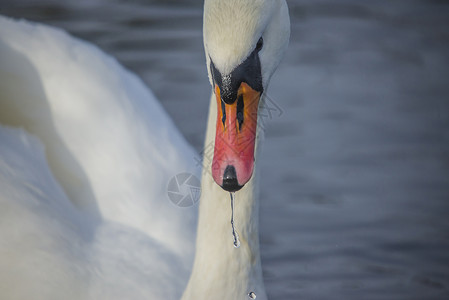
x: 355, y: 167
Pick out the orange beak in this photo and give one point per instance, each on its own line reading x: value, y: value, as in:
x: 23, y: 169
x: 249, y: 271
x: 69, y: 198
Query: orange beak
x: 235, y: 138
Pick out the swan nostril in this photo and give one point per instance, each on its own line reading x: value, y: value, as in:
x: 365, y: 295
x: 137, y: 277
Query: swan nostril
x: 240, y: 107
x: 230, y: 182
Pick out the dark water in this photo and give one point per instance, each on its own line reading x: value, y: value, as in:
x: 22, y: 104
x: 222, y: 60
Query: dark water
x: 355, y: 167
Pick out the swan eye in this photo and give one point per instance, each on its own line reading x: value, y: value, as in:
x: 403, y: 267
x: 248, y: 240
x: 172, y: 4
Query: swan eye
x: 259, y: 44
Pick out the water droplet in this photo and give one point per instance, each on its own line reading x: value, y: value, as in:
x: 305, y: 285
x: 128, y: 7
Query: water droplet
x: 252, y: 295
x: 235, y: 235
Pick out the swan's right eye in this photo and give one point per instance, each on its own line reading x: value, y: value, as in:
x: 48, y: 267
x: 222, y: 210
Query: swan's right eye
x: 259, y: 45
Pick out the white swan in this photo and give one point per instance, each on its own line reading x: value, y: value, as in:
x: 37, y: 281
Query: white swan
x: 84, y: 213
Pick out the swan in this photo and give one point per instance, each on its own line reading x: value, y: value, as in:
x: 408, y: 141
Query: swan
x: 86, y: 152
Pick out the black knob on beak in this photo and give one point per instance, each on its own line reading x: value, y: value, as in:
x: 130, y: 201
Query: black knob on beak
x: 230, y: 183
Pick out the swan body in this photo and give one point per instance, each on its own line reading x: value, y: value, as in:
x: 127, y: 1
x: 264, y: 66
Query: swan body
x: 86, y: 153
x: 83, y: 189
x: 51, y: 250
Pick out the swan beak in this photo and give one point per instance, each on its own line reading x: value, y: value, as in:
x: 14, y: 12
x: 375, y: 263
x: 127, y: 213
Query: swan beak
x: 235, y: 138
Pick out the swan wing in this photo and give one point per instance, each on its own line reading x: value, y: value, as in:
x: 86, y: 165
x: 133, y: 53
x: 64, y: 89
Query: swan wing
x: 51, y: 250
x: 109, y: 151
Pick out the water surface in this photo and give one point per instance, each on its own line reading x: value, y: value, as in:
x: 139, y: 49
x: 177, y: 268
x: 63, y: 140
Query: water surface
x: 355, y: 166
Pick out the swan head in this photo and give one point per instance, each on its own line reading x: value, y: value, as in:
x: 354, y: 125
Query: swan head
x: 244, y: 41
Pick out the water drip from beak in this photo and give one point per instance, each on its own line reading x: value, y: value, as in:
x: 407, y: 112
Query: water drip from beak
x: 235, y: 235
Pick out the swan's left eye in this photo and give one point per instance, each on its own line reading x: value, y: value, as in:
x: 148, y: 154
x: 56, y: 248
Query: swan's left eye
x: 259, y: 44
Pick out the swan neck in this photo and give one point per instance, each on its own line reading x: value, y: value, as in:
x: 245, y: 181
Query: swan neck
x: 219, y: 267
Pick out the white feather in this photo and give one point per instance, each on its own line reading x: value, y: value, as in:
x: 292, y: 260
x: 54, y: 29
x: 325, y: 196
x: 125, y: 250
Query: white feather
x: 106, y: 222
x: 84, y: 211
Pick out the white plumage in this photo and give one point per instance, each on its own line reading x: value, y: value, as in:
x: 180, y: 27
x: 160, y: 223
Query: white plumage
x: 100, y: 217
x: 86, y: 153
